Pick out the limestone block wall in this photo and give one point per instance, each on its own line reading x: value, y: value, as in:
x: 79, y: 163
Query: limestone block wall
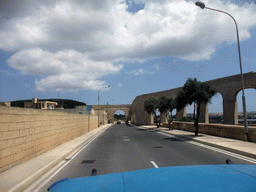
x: 137, y: 112
x: 228, y: 87
x: 228, y: 131
x: 27, y: 133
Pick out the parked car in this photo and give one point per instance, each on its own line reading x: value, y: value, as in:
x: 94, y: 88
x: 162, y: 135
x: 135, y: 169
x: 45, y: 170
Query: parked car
x: 118, y: 122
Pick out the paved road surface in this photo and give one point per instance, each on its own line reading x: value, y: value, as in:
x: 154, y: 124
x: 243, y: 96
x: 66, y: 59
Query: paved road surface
x: 126, y: 148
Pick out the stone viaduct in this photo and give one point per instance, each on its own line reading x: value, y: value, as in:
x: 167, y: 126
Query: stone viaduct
x: 107, y: 112
x: 228, y: 87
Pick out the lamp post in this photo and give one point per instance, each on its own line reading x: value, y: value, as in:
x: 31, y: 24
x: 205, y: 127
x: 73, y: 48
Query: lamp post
x: 202, y: 5
x: 99, y: 104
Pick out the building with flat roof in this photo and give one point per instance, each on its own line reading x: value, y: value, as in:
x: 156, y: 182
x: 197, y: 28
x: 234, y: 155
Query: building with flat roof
x: 40, y: 104
x: 7, y: 104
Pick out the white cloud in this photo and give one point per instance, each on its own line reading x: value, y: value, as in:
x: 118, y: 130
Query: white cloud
x: 157, y: 67
x: 138, y: 72
x: 63, y: 70
x: 103, y: 32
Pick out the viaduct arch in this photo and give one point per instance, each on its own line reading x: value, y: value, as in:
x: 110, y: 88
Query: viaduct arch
x: 107, y: 112
x: 228, y: 87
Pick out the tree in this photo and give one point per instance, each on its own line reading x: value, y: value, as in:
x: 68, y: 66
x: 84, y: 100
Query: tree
x: 166, y: 105
x: 171, y: 106
x: 163, y: 105
x: 151, y: 105
x: 195, y: 92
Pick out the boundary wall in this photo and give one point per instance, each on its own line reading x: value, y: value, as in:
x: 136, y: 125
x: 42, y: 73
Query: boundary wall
x: 222, y: 130
x: 27, y: 133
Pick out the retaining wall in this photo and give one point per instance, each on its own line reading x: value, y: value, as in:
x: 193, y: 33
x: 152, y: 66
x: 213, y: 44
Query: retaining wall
x: 27, y: 133
x: 228, y: 131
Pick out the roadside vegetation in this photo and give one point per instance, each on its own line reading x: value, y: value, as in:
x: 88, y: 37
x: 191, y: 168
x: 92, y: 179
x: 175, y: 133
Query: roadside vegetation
x: 151, y: 106
x: 193, y: 92
x: 119, y: 117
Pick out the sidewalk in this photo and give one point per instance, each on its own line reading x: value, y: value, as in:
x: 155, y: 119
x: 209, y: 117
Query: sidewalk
x: 22, y: 176
x: 236, y: 146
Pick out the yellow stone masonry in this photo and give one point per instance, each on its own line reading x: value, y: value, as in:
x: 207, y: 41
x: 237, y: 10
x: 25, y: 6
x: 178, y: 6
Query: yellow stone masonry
x: 27, y: 133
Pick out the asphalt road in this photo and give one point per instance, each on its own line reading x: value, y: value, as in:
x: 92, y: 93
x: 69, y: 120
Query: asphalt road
x: 125, y: 148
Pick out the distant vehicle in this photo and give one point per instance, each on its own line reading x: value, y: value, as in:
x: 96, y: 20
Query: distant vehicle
x: 213, y: 178
x: 118, y: 122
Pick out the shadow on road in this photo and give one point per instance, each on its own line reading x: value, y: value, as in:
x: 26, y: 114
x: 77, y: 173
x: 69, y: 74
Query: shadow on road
x: 172, y: 139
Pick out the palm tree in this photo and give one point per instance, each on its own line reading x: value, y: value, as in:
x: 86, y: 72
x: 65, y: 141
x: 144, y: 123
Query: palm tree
x: 195, y: 92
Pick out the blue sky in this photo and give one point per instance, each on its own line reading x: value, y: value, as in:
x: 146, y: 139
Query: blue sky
x: 71, y: 49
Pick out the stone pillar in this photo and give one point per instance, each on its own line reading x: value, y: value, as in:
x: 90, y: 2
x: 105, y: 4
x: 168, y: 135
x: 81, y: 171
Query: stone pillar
x: 149, y: 119
x: 230, y: 113
x: 111, y: 115
x: 204, y: 114
x: 105, y: 119
x: 34, y: 100
x: 181, y: 113
x: 163, y: 119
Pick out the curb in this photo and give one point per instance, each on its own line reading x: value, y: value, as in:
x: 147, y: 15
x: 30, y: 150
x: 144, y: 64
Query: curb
x: 216, y: 146
x: 213, y: 145
x: 35, y: 176
x: 27, y: 182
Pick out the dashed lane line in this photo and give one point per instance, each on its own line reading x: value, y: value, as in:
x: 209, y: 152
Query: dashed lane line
x: 154, y: 164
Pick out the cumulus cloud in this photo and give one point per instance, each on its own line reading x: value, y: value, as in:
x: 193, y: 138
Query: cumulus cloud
x: 63, y: 70
x: 56, y: 38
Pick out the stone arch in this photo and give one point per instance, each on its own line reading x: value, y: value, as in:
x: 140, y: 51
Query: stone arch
x: 217, y: 111
x: 216, y: 99
x: 229, y: 93
x: 248, y: 92
x: 125, y: 114
x: 226, y: 86
x: 204, y: 110
x: 111, y: 111
x: 106, y: 111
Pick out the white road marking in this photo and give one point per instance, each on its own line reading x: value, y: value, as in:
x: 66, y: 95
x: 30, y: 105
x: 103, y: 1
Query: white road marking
x: 126, y: 139
x: 251, y: 160
x: 154, y: 164
x: 40, y: 184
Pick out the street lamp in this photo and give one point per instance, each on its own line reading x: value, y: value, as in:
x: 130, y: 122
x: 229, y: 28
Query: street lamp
x: 99, y: 104
x: 202, y: 5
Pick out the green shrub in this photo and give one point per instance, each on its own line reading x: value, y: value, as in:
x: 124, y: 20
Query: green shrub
x: 186, y: 119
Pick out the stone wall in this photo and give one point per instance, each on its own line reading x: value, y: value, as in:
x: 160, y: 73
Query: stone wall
x: 27, y: 133
x: 228, y: 131
x: 228, y: 87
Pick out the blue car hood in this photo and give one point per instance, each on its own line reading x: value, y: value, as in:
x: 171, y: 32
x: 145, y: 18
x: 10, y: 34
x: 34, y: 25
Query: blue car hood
x: 178, y: 178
